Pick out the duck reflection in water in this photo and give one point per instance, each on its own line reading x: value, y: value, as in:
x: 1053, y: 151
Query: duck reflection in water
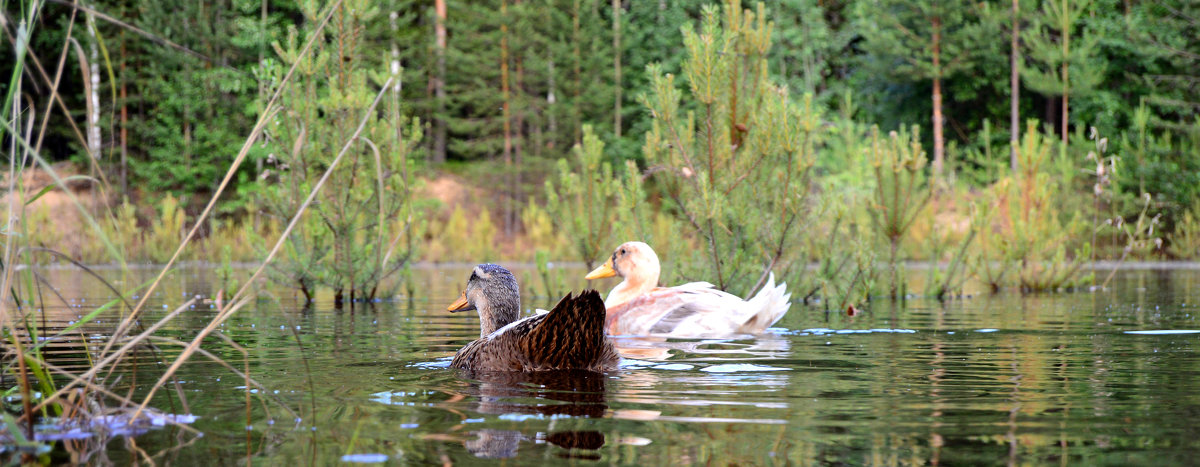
x: 572, y: 393
x: 503, y: 444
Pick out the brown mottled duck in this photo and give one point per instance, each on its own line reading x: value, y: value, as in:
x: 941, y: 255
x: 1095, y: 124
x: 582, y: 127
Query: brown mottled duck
x: 569, y: 337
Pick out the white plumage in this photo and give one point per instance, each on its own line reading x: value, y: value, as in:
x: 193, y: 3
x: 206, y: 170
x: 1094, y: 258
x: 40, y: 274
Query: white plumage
x: 637, y: 306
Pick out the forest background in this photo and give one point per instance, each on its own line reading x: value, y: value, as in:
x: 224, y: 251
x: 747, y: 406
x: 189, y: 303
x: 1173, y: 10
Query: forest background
x: 830, y: 142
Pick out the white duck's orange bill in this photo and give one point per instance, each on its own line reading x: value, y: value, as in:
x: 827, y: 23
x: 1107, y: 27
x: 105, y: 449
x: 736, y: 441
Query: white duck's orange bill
x: 605, y: 270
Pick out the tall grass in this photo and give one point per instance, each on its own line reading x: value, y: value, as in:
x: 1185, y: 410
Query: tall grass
x: 74, y: 395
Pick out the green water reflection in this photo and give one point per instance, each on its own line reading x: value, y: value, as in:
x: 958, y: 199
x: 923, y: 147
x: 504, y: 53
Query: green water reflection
x: 1012, y: 379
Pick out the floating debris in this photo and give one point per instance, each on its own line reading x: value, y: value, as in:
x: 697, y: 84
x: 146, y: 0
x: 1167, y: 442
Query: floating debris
x: 439, y: 363
x: 111, y: 425
x: 673, y: 366
x: 740, y: 367
x: 1163, y: 332
x: 365, y: 458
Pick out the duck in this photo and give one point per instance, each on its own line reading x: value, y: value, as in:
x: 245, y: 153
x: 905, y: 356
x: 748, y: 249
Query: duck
x: 568, y: 337
x: 639, y: 307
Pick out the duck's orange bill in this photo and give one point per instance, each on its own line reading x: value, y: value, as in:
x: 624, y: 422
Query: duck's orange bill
x: 605, y: 270
x: 460, y: 304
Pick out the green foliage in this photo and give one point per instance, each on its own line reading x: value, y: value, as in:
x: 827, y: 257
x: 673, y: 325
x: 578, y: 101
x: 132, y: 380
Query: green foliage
x: 809, y: 47
x: 1162, y: 164
x: 737, y: 170
x: 900, y: 33
x: 541, y: 234
x: 1044, y: 242
x: 942, y: 283
x: 582, y: 199
x: 191, y: 111
x: 1062, y: 58
x: 1165, y: 38
x: 991, y: 262
x: 901, y: 193
x: 1185, y: 241
x: 1137, y: 237
x: 166, y: 231
x: 465, y: 237
x: 349, y: 238
x: 1056, y: 39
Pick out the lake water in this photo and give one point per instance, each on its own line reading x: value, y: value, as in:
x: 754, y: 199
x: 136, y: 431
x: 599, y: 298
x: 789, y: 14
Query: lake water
x: 1095, y: 378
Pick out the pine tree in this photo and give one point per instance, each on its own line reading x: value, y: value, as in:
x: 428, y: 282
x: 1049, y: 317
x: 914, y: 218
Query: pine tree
x: 1167, y: 39
x: 655, y: 26
x: 1061, y: 55
x: 912, y: 40
x: 812, y: 46
x: 191, y: 112
x: 736, y: 170
x: 350, y: 239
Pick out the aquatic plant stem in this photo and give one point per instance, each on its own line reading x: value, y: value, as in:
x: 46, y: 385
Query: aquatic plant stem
x: 5, y: 288
x: 84, y: 379
x: 239, y: 298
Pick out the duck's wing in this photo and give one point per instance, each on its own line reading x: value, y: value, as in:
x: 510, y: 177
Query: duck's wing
x: 498, y: 351
x: 570, y: 336
x: 466, y: 356
x: 697, y: 310
x: 675, y: 312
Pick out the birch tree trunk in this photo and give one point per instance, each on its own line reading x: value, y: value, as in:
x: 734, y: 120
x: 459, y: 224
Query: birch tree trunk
x: 93, y: 98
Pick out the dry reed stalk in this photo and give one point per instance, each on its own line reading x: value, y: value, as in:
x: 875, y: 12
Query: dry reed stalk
x: 124, y: 401
x: 86, y: 376
x: 246, y: 376
x: 238, y: 296
x: 266, y: 116
x: 15, y: 195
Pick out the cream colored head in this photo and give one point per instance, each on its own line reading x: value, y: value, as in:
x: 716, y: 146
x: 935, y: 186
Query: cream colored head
x: 637, y: 263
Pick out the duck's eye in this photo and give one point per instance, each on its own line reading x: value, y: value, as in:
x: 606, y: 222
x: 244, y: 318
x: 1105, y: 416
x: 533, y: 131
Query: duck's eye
x: 473, y: 277
x: 622, y: 251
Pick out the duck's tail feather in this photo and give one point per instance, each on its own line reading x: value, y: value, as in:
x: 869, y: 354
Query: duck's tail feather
x: 767, y: 307
x: 571, y: 335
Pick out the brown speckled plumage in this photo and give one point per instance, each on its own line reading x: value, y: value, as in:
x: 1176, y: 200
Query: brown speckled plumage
x: 569, y: 337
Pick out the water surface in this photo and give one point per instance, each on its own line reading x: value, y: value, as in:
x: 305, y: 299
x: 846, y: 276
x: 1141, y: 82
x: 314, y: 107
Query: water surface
x: 1101, y: 378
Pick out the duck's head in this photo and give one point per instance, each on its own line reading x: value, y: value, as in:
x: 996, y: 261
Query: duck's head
x: 636, y: 262
x: 493, y: 291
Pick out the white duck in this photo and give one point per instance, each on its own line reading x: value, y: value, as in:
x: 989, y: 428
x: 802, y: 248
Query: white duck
x: 637, y: 306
